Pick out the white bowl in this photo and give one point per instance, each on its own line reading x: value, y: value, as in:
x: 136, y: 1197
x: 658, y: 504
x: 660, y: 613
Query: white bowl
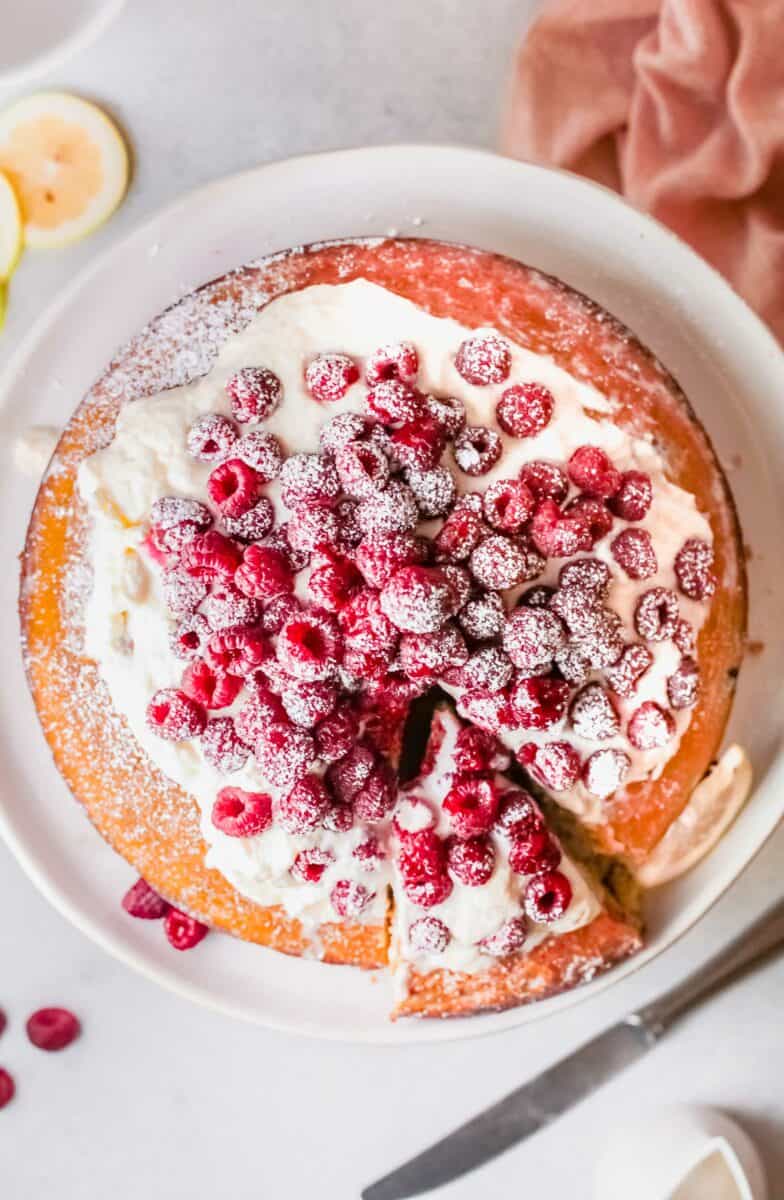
x: 39, y: 35
x: 727, y: 362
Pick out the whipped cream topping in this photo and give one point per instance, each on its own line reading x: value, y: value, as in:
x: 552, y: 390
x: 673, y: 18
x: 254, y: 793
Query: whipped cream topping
x: 127, y: 622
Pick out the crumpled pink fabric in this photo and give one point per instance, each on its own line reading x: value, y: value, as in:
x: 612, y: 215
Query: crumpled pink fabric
x: 679, y: 105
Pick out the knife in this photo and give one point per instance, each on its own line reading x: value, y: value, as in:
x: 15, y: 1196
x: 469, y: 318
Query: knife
x: 534, y: 1105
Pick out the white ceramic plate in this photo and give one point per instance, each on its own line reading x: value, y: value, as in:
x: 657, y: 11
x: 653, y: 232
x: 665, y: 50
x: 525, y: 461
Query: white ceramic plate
x: 728, y: 364
x: 41, y: 35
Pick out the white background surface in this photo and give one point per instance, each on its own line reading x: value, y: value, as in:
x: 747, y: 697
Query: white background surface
x: 160, y: 1099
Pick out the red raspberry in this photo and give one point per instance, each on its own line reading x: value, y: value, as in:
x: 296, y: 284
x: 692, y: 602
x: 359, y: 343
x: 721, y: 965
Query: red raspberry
x: 184, y: 932
x: 684, y: 638
x: 209, y: 685
x: 484, y: 358
x: 507, y: 939
x: 142, y: 902
x: 472, y: 805
x: 633, y: 550
x: 694, y: 569
x: 656, y: 615
x: 477, y: 752
x: 310, y: 529
x: 233, y: 487
x: 211, y: 437
x: 7, y: 1087
x: 518, y: 814
x: 302, y: 810
x: 392, y: 511
x: 449, y: 411
x: 434, y: 490
x: 350, y: 531
x: 471, y: 861
x: 683, y: 684
x: 175, y: 522
x: 363, y: 469
x: 650, y: 727
x: 336, y: 734
x: 429, y: 935
x: 605, y: 771
x: 395, y: 403
x: 591, y: 575
x: 365, y: 627
x: 545, y: 480
x: 533, y: 850
x: 182, y: 592
x: 173, y: 715
x: 488, y: 669
x: 253, y: 525
x: 333, y: 585
x: 491, y: 711
x: 556, y: 765
x: 624, y: 675
x: 226, y: 607
x: 261, y: 451
x: 238, y: 813
x: 419, y: 444
x: 238, y: 651
x: 558, y: 535
x: 341, y: 430
x: 284, y: 753
x: 223, y: 747
x: 262, y: 709
x: 349, y: 776
x: 507, y: 505
x: 307, y: 703
x: 396, y: 360
x: 422, y: 865
x: 276, y: 613
x: 477, y: 449
x: 349, y: 899
x: 264, y: 573
x: 379, y: 556
x: 369, y: 854
x: 329, y: 376
x: 426, y: 655
x: 574, y: 664
x: 459, y: 535
x: 310, y: 865
x: 483, y: 616
x: 547, y: 897
x: 310, y: 645
x: 540, y: 702
x: 309, y: 479
x: 500, y: 562
x: 593, y: 513
x: 531, y: 637
x: 211, y: 556
x: 376, y: 798
x: 633, y: 498
x: 593, y: 715
x: 418, y: 599
x: 591, y: 471
x: 190, y: 636
x: 413, y: 814
x: 254, y: 392
x: 52, y: 1028
x: 525, y: 409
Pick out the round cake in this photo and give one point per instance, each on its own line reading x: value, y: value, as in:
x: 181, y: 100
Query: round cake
x: 383, y: 602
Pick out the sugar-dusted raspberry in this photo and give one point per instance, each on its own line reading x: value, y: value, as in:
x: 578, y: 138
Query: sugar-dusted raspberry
x: 263, y: 708
x: 427, y: 655
x: 477, y: 449
x: 594, y: 513
x: 223, y: 747
x: 449, y: 411
x: 633, y: 550
x: 190, y: 636
x: 533, y: 850
x: 350, y: 530
x: 482, y: 617
x: 309, y: 479
x: 540, y: 702
x: 238, y: 813
x: 508, y: 504
x: 650, y: 726
x: 310, y: 528
x: 302, y: 809
x: 336, y: 733
x: 284, y: 753
x: 525, y: 409
x: 175, y: 716
x: 369, y: 854
x: 500, y: 562
x: 517, y: 814
x: 277, y: 611
x: 238, y: 650
x: 685, y: 639
x: 254, y: 392
x: 310, y: 865
x: 531, y: 637
x: 363, y: 469
x: 395, y: 403
x: 491, y: 711
x: 329, y: 376
x: 310, y: 646
x: 210, y: 686
x: 472, y: 805
x: 418, y: 599
x: 262, y: 451
x: 477, y: 752
x: 545, y: 480
x: 392, y: 511
x: 507, y: 939
x: 350, y: 899
x: 633, y: 498
x: 144, y: 903
x: 556, y: 765
x: 52, y: 1028
x: 656, y: 615
x: 264, y: 573
x: 422, y: 865
x: 182, y: 930
x: 573, y: 663
x: 605, y: 771
x: 460, y: 534
x: 429, y: 935
x: 226, y: 607
x: 278, y: 540
x: 307, y: 703
x: 694, y: 569
x: 434, y: 490
x: 8, y: 1087
x: 333, y: 585
x: 375, y: 799
x: 591, y: 471
x: 579, y: 608
x: 211, y: 437
x: 683, y: 684
x: 624, y: 675
x: 341, y: 430
x: 419, y: 444
x: 488, y: 669
x: 211, y: 556
x: 365, y: 627
x: 484, y: 358
x: 547, y: 897
x: 593, y: 715
x: 183, y: 593
x: 254, y: 524
x: 233, y: 487
x: 380, y: 555
x: 559, y: 535
x: 412, y: 814
x: 471, y: 861
x: 396, y: 360
x: 348, y: 776
x: 536, y: 597
x: 590, y: 574
x: 603, y: 644
x: 175, y: 521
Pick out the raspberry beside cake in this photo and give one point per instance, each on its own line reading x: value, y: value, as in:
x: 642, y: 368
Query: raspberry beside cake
x: 408, y: 466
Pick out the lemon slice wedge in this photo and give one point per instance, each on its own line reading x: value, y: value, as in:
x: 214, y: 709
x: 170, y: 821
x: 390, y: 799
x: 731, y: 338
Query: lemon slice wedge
x: 66, y: 161
x: 11, y: 238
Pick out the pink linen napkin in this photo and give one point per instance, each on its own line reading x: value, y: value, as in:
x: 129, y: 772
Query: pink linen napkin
x: 679, y: 105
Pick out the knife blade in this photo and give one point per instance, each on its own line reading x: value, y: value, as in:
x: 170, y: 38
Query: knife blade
x: 540, y: 1101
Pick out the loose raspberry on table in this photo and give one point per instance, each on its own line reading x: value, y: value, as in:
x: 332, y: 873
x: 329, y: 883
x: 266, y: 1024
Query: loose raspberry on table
x: 540, y: 702
x: 307, y: 703
x: 508, y: 505
x: 449, y: 411
x: 311, y: 528
x: 533, y: 850
x: 477, y: 752
x: 545, y: 480
x: 173, y: 715
x: 472, y: 861
x: 254, y: 392
x: 531, y: 637
x: 477, y: 449
x: 488, y: 669
x: 484, y: 358
x: 392, y: 511
x: 303, y: 808
x: 559, y: 535
x: 284, y: 753
x: 254, y: 524
x: 309, y: 479
x: 211, y: 437
x: 211, y: 556
x: 310, y: 865
x: 336, y: 733
x: 434, y: 490
x: 634, y: 496
x: 183, y: 931
x: 593, y: 714
x: 650, y: 726
x: 427, y: 655
x: 190, y: 636
x: 556, y: 765
x: 395, y: 360
x: 264, y: 573
x: 52, y: 1028
x: 506, y: 939
x: 547, y: 897
x: 418, y: 445
x: 624, y: 675
x: 379, y: 555
x: 500, y: 562
x: 606, y: 771
x: 418, y: 599
x: 429, y: 935
x: 334, y: 584
x: 656, y: 615
x: 310, y: 645
x: 363, y: 469
x: 262, y: 451
x: 277, y: 611
x: 472, y: 805
x: 233, y: 487
x: 329, y: 376
x: 223, y: 747
x: 144, y: 903
x: 593, y: 513
x: 683, y: 684
x: 461, y: 533
x: 395, y: 403
x: 491, y: 711
x: 238, y: 813
x: 482, y: 617
x: 525, y: 409
x: 209, y: 685
x: 633, y: 550
x: 238, y: 650
x: 350, y: 899
x: 423, y: 870
x: 341, y: 430
x: 694, y: 569
x: 591, y: 471
x: 7, y: 1087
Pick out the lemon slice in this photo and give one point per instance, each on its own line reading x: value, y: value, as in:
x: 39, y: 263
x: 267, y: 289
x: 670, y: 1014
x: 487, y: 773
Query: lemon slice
x: 67, y: 162
x: 11, y: 238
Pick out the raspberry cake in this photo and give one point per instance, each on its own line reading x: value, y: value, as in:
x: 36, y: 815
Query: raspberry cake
x: 334, y: 482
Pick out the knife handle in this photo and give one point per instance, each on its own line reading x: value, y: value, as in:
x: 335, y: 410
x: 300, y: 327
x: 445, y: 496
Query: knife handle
x: 747, y: 951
